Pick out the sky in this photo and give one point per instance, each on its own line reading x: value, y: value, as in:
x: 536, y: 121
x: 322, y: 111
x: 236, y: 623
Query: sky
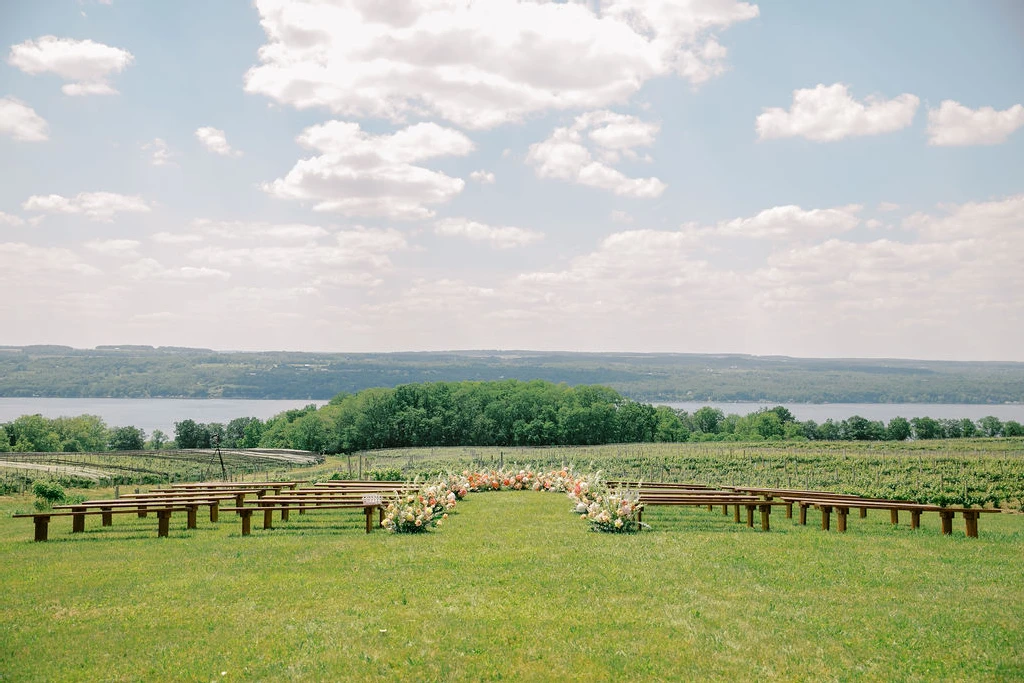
x: 705, y: 176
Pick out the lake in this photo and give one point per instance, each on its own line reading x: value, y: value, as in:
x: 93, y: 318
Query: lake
x: 149, y: 413
x: 162, y: 413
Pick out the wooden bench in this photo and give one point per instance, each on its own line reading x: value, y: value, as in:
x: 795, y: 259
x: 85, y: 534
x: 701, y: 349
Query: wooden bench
x: 42, y: 519
x: 946, y: 514
x: 142, y: 508
x: 268, y: 507
x: 750, y: 503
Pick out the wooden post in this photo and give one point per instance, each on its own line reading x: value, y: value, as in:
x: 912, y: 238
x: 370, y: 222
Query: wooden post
x: 42, y: 525
x: 368, y: 511
x: 725, y: 509
x: 971, y: 523
x: 894, y: 516
x: 163, y: 523
x: 78, y: 520
x: 107, y: 516
x: 803, y: 513
x: 947, y: 521
x: 863, y: 513
x: 766, y: 510
x: 214, y: 510
x: 268, y: 518
x: 915, y: 519
x: 142, y: 511
x: 284, y: 513
x: 842, y: 512
x: 750, y: 514
x: 736, y: 513
x: 826, y: 514
x: 789, y: 510
x: 240, y: 499
x: 710, y: 507
x: 246, y: 521
x: 192, y: 510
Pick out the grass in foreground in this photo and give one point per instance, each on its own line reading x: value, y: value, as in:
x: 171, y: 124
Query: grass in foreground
x: 512, y: 587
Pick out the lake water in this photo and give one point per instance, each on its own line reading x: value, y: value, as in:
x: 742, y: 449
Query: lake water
x: 148, y: 413
x: 162, y: 413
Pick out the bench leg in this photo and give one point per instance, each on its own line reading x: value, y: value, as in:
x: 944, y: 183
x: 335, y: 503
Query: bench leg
x: 42, y: 526
x: 239, y: 500
x: 192, y: 514
x: 380, y: 515
x: 214, y: 511
x: 915, y: 519
x: 826, y: 518
x: 803, y: 514
x: 142, y: 511
x: 750, y: 515
x: 725, y: 509
x: 78, y: 520
x: 947, y: 522
x: 268, y: 518
x: 736, y: 513
x: 284, y: 513
x: 971, y: 523
x: 710, y: 507
x: 246, y: 522
x: 164, y: 523
x: 368, y: 512
x: 863, y: 513
x: 894, y: 516
x: 107, y: 517
x: 766, y: 510
x: 842, y: 518
x: 789, y: 511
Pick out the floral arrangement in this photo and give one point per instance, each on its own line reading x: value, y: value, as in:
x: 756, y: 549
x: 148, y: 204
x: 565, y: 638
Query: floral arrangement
x: 612, y: 512
x: 410, y: 514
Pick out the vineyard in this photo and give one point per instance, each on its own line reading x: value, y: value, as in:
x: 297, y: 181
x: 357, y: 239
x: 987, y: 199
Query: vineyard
x: 18, y: 470
x: 953, y: 472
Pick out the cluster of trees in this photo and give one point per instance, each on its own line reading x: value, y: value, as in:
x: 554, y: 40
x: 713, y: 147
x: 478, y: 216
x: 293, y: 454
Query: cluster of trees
x: 711, y: 424
x: 84, y: 433
x: 506, y: 413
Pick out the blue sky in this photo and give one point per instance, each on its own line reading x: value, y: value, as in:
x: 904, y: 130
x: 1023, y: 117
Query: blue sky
x: 811, y: 179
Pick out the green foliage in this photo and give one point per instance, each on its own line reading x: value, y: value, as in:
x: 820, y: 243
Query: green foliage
x: 48, y: 494
x: 127, y: 439
x: 385, y: 474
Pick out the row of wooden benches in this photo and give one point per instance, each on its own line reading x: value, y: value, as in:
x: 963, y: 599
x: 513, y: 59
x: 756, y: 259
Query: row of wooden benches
x: 763, y: 499
x: 268, y: 497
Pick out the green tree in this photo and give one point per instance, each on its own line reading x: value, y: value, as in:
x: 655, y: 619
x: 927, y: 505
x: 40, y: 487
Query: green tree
x: 926, y: 428
x: 1013, y: 428
x: 190, y: 434
x: 127, y: 439
x: 5, y: 440
x: 158, y: 440
x: 899, y: 429
x: 708, y: 419
x: 991, y: 426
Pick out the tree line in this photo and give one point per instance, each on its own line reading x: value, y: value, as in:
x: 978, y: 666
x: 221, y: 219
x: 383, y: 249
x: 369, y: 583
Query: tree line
x: 505, y: 413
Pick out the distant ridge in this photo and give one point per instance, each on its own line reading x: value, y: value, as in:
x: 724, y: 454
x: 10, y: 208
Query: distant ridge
x: 140, y: 371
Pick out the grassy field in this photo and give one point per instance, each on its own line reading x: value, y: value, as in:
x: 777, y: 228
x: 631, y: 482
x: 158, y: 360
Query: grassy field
x: 513, y: 586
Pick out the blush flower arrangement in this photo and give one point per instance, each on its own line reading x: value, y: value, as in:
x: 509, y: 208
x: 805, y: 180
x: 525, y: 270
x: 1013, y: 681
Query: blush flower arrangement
x: 613, y: 512
x: 411, y: 514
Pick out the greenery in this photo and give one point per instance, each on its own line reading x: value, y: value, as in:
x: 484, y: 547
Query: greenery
x: 513, y: 588
x: 147, y: 372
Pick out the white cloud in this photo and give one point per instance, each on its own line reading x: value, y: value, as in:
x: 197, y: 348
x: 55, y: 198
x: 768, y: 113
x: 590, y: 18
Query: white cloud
x: 151, y: 269
x: 999, y: 219
x: 215, y: 141
x: 114, y: 247
x: 888, y: 206
x: 360, y: 174
x: 621, y: 217
x: 21, y: 122
x: 19, y: 260
x: 160, y: 153
x: 482, y: 177
x: 953, y: 124
x: 256, y: 232
x: 792, y: 222
x: 499, y: 237
x: 85, y: 63
x: 9, y: 219
x: 612, y: 136
x: 480, y: 65
x: 176, y: 238
x: 96, y: 206
x: 827, y: 113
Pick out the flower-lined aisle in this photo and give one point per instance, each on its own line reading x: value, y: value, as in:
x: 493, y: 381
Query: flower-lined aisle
x: 608, y: 510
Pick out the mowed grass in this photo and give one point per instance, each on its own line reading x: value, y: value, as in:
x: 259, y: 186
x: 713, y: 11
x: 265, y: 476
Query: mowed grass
x: 513, y: 586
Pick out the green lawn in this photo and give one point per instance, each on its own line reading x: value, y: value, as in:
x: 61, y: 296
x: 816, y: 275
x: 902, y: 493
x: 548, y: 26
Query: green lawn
x: 512, y: 587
